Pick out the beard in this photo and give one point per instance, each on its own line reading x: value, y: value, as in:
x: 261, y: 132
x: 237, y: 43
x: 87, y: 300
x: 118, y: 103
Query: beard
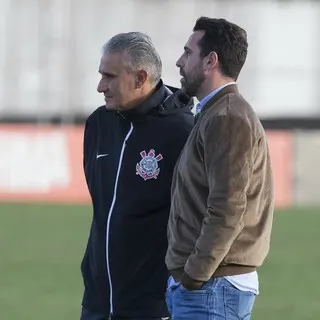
x: 191, y: 83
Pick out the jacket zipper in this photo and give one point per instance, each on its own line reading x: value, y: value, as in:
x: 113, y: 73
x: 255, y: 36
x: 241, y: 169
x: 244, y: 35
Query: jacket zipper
x: 110, y: 213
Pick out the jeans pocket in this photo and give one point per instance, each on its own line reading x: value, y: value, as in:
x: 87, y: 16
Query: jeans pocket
x: 202, y: 290
x: 239, y: 304
x: 190, y: 304
x: 192, y: 297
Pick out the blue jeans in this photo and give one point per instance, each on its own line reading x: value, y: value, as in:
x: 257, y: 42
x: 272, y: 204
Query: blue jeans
x: 217, y: 299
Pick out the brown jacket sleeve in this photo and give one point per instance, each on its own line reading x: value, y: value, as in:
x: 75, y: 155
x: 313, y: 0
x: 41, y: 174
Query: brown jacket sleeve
x: 228, y: 144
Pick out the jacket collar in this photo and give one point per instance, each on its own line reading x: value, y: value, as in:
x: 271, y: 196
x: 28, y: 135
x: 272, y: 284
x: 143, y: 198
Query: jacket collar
x: 143, y: 108
x: 166, y: 100
x: 233, y: 88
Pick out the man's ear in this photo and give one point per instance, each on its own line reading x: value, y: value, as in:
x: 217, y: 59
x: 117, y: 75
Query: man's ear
x: 141, y: 78
x: 211, y: 60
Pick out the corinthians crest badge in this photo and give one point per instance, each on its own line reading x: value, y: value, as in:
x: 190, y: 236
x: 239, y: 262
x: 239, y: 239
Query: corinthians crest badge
x: 148, y: 167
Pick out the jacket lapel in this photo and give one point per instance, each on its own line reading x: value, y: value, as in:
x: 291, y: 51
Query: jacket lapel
x: 233, y: 88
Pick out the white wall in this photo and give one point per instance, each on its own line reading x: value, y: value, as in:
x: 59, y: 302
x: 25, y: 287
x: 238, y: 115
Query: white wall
x: 50, y: 50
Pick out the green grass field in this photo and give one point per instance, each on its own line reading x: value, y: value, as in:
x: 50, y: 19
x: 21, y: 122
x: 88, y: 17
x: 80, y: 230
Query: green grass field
x: 41, y: 249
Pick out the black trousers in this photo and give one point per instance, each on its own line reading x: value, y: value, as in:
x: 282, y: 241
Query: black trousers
x: 87, y: 314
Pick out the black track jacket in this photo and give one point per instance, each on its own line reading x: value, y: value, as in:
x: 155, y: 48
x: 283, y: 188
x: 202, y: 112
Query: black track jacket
x: 129, y: 158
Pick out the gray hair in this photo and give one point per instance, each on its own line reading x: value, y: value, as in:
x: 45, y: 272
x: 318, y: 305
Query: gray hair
x: 140, y: 52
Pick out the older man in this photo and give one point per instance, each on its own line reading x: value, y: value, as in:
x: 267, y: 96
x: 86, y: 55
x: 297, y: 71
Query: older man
x: 131, y: 145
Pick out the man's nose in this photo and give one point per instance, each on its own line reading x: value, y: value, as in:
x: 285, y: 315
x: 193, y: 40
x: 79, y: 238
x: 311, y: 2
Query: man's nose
x: 179, y: 63
x: 101, y: 87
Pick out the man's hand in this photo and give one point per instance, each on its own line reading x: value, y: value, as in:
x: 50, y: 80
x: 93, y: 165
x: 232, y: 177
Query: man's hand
x: 189, y: 283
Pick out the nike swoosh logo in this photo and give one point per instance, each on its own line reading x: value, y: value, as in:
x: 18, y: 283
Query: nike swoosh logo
x: 102, y: 155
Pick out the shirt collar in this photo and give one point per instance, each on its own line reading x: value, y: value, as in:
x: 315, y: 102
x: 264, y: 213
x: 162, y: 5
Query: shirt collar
x: 211, y: 95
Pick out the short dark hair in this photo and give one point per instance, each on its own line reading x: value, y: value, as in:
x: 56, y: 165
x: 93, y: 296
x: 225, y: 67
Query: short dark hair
x: 228, y: 40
